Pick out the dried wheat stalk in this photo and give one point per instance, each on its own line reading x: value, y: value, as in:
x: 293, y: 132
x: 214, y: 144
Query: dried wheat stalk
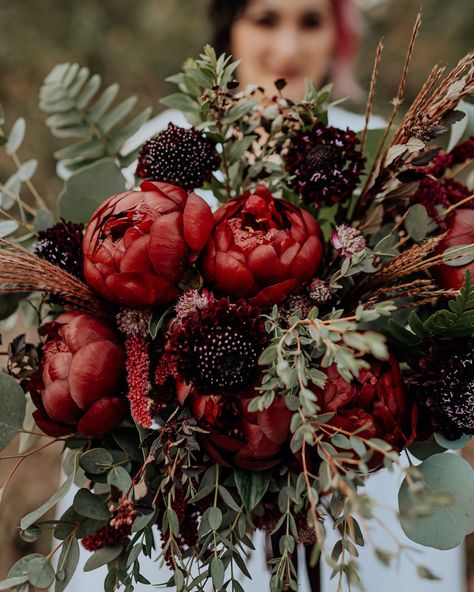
x: 21, y: 271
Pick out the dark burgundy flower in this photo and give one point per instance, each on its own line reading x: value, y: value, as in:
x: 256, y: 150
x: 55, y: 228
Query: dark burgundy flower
x: 440, y: 192
x: 447, y: 160
x: 106, y: 536
x: 442, y: 380
x: 460, y: 232
x: 77, y: 385
x: 261, y: 248
x: 62, y: 245
x: 325, y: 163
x: 216, y: 348
x: 183, y: 157
x: 376, y: 401
x: 139, y: 244
x: 236, y: 437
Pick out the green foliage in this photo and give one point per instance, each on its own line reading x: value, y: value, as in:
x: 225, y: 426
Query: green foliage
x: 12, y: 405
x: 438, y: 510
x: 86, y: 189
x: 455, y: 321
x: 252, y: 486
x: 57, y: 496
x: 81, y: 110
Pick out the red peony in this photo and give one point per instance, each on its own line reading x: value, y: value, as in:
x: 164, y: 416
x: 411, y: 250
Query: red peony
x: 76, y: 388
x: 261, y: 248
x: 235, y: 436
x: 376, y: 400
x: 139, y: 244
x: 460, y: 232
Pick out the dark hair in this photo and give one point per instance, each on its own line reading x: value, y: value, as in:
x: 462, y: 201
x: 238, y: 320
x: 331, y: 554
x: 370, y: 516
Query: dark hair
x: 223, y: 14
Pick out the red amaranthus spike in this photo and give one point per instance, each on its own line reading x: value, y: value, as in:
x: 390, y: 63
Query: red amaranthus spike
x: 134, y: 324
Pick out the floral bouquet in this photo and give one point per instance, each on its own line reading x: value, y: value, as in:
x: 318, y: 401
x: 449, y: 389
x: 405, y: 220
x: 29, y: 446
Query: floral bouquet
x: 214, y: 373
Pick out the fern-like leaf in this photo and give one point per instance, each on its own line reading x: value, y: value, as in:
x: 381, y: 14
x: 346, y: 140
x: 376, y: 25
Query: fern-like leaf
x: 80, y: 110
x: 455, y: 321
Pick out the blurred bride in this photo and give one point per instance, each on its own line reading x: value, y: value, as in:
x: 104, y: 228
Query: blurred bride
x: 298, y: 40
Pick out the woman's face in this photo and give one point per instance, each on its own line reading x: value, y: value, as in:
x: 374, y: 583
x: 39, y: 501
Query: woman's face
x: 290, y: 39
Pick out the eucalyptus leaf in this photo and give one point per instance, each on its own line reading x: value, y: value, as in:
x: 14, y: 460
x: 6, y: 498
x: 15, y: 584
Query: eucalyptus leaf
x: 8, y: 227
x: 96, y: 461
x: 102, y: 557
x: 118, y: 477
x: 16, y: 136
x: 89, y: 505
x: 87, y: 189
x: 444, y: 527
x: 67, y: 563
x: 452, y: 444
x: 40, y: 572
x: 32, y: 517
x: 12, y: 409
x: 252, y: 486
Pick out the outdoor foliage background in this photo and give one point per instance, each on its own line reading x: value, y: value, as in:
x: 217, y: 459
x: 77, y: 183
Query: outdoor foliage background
x: 137, y: 43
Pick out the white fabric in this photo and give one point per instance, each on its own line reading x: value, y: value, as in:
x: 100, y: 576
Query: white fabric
x: 382, y: 486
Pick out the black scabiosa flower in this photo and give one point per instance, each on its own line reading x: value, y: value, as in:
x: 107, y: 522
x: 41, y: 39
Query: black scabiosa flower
x: 451, y: 400
x: 325, y: 163
x: 179, y: 156
x: 216, y: 348
x: 62, y: 245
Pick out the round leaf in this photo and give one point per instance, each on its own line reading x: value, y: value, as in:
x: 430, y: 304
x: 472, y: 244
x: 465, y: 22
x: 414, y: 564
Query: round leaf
x: 446, y: 526
x: 40, y: 572
x: 16, y: 136
x: 12, y: 409
x: 215, y: 518
x: 89, y: 505
x: 119, y: 477
x: 96, y: 461
x: 102, y: 557
x: 88, y: 188
x: 452, y: 444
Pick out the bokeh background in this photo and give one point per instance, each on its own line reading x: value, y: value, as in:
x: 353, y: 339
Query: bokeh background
x: 137, y: 43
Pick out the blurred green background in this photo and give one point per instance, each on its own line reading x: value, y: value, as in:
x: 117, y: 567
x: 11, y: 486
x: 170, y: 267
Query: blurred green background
x: 137, y: 43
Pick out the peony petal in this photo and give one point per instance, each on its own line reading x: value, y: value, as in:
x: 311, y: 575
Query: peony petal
x: 198, y: 222
x: 95, y: 280
x: 135, y: 258
x: 83, y: 329
x: 140, y: 289
x: 49, y: 427
x: 56, y: 367
x: 58, y: 404
x: 232, y: 277
x: 266, y: 266
x: 275, y: 421
x: 173, y: 193
x: 96, y: 372
x: 307, y: 261
x: 102, y: 417
x: 274, y: 294
x: 167, y: 250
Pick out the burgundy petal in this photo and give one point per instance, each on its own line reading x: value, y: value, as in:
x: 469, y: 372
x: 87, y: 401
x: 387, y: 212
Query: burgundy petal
x: 96, y: 371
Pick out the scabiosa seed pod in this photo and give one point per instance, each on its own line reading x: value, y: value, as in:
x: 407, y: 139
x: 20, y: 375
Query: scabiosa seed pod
x: 61, y: 245
x: 319, y: 292
x: 183, y: 157
x: 347, y: 241
x: 326, y: 164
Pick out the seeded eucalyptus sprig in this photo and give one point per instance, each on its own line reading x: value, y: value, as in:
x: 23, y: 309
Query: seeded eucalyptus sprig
x: 243, y: 123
